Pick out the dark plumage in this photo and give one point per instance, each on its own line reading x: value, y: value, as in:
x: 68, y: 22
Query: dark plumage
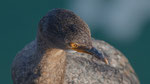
x: 64, y: 26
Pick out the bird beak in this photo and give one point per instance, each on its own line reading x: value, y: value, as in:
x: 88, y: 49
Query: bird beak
x: 93, y: 51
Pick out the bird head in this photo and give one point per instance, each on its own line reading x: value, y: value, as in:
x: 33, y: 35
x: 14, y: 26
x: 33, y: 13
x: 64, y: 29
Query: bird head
x: 65, y: 30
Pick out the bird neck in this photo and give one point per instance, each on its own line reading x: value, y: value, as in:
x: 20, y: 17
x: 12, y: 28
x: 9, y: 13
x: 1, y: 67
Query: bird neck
x: 51, y: 63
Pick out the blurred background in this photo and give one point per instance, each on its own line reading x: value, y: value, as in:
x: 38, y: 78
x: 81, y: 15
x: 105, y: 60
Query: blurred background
x: 125, y: 24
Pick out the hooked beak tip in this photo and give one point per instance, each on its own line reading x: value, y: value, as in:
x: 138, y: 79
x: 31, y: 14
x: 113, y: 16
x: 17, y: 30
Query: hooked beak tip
x: 106, y: 61
x: 98, y: 55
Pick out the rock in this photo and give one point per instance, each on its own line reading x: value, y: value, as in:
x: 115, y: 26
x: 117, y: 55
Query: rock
x: 85, y: 69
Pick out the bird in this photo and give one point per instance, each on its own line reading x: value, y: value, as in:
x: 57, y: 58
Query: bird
x: 63, y: 52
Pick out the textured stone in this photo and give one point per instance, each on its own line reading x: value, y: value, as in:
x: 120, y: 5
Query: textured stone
x: 84, y: 69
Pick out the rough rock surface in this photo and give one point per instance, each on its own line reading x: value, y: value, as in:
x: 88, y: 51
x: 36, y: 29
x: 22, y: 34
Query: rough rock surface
x: 84, y: 69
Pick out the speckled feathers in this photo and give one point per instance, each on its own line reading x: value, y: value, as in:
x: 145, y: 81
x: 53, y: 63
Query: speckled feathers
x: 66, y: 27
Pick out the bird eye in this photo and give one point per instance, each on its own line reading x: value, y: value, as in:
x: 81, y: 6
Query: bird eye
x: 74, y: 45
